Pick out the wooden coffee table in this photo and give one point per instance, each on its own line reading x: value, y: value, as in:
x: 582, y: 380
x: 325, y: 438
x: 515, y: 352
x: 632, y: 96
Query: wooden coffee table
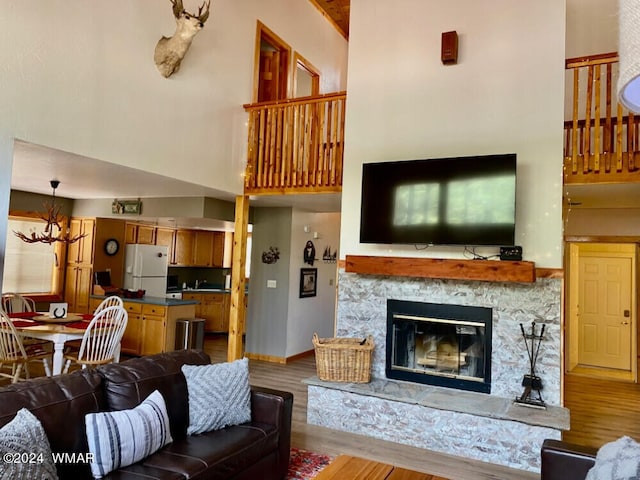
x: 354, y: 468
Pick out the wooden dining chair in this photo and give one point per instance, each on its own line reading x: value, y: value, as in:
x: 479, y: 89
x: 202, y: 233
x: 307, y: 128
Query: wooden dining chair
x: 16, y: 303
x: 14, y: 354
x: 101, y: 339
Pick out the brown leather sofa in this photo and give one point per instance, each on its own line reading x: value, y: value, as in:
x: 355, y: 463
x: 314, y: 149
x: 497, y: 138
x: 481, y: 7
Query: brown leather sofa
x: 565, y: 461
x: 258, y: 449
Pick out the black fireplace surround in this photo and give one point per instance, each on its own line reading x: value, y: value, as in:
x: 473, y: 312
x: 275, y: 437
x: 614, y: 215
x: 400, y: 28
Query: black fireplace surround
x: 439, y: 344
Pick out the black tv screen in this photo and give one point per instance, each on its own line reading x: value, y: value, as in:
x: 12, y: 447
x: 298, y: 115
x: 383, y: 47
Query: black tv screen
x: 444, y: 201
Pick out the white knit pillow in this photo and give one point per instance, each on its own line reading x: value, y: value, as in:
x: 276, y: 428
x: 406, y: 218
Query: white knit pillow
x: 24, y: 449
x: 219, y: 395
x: 121, y: 438
x: 619, y: 460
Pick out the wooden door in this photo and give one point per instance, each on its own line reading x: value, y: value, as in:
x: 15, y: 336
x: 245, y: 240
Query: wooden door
x: 166, y: 237
x: 184, y: 247
x: 271, y: 68
x: 602, y: 282
x: 146, y: 235
x: 203, y: 248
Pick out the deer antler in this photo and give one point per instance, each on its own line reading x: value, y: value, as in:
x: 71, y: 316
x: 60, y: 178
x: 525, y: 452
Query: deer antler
x: 202, y: 16
x: 177, y: 8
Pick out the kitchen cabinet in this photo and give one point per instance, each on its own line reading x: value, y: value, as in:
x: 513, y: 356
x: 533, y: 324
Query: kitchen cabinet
x: 77, y: 287
x: 154, y: 329
x: 184, y: 247
x: 151, y: 328
x: 140, y: 233
x: 132, y: 337
x: 79, y: 267
x: 213, y: 308
x: 166, y: 237
x: 81, y: 252
x: 146, y: 235
x: 203, y: 249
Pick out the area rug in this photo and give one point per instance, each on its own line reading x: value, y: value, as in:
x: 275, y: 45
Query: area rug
x: 304, y: 464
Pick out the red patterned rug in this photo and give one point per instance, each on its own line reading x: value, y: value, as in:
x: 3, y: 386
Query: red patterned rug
x: 304, y: 465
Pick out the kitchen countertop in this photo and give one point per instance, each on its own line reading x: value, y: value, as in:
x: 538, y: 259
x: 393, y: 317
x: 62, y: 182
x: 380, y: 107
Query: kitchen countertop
x: 166, y: 302
x: 207, y: 290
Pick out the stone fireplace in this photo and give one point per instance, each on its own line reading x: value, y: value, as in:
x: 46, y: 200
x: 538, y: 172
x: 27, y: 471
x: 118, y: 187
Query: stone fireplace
x: 483, y: 424
x: 439, y: 344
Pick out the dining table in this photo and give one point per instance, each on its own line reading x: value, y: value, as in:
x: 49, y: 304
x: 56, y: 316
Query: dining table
x: 57, y: 330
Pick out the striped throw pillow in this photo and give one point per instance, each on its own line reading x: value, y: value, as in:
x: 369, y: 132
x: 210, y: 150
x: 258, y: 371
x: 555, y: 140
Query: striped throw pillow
x: 118, y: 439
x: 219, y: 395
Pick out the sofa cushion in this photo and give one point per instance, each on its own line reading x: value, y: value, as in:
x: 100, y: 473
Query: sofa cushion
x: 25, y: 450
x: 618, y: 460
x: 220, y: 454
x: 122, y: 438
x: 126, y: 384
x: 60, y: 403
x: 219, y: 395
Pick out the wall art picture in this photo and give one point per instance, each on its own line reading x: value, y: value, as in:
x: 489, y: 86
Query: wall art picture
x: 308, y: 282
x: 271, y: 256
x: 309, y: 254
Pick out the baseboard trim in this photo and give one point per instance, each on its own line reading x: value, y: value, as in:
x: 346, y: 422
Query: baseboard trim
x: 274, y: 359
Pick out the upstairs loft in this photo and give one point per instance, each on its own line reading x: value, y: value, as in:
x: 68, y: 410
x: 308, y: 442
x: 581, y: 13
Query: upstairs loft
x: 602, y: 139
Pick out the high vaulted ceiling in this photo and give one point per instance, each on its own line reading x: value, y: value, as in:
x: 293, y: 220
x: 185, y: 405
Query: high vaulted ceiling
x: 337, y: 11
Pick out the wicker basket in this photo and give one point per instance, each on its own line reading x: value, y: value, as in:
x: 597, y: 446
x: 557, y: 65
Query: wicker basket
x: 343, y: 359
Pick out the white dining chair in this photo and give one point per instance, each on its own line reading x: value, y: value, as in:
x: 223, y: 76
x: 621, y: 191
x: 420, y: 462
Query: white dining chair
x: 101, y: 340
x: 14, y: 354
x: 16, y: 303
x: 111, y: 301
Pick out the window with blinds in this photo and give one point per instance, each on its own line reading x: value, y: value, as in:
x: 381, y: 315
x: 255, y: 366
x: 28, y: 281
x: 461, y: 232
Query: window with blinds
x: 28, y: 267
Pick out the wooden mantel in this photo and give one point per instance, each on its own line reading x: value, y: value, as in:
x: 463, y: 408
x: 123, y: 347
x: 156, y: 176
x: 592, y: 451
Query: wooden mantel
x: 457, y: 269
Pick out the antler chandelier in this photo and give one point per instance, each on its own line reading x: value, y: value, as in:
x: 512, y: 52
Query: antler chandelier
x: 53, y: 231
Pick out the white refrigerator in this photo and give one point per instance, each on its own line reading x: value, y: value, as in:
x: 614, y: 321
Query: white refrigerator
x: 146, y: 268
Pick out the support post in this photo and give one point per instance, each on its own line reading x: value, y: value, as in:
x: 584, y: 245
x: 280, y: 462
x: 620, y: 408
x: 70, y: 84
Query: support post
x: 237, y: 309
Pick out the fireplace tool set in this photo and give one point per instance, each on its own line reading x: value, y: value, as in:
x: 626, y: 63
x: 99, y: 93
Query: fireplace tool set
x: 532, y: 397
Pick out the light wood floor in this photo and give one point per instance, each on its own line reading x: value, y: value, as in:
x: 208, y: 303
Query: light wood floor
x: 332, y: 442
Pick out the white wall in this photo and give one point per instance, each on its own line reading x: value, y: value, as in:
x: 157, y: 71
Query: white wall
x: 79, y: 76
x: 592, y: 27
x: 311, y: 315
x: 603, y: 222
x: 504, y: 95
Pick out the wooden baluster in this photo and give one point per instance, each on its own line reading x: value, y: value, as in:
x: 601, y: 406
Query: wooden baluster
x: 249, y: 179
x: 596, y: 122
x: 574, y: 130
x: 619, y: 130
x: 301, y: 137
x: 281, y: 126
x: 286, y: 147
x: 331, y: 174
x: 631, y: 142
x: 262, y: 146
x: 318, y: 111
x: 269, y: 142
x: 294, y: 147
x: 608, y: 137
x: 587, y: 121
x: 343, y: 109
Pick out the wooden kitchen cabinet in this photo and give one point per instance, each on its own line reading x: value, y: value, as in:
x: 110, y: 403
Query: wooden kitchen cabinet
x: 151, y: 328
x: 131, y: 340
x: 154, y: 329
x: 146, y: 235
x: 166, y: 237
x: 213, y: 308
x: 81, y: 252
x: 77, y: 287
x: 184, y: 247
x: 131, y: 232
x: 203, y: 249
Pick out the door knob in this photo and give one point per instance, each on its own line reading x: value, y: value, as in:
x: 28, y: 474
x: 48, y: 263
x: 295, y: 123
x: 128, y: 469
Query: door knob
x: 625, y: 323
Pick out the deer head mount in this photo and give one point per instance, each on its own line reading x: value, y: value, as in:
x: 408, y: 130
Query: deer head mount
x: 171, y: 50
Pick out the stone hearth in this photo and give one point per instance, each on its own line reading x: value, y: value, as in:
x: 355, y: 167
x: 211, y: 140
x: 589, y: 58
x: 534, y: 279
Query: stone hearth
x: 489, y: 427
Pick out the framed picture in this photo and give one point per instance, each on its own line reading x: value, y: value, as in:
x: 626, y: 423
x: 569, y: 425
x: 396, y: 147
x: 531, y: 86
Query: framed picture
x: 308, y: 282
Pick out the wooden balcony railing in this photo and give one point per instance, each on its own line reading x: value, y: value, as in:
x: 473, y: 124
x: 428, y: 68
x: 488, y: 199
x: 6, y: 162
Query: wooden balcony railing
x: 296, y: 145
x: 601, y: 142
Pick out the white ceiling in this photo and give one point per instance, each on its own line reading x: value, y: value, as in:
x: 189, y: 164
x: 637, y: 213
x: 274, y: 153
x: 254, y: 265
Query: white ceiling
x: 87, y: 178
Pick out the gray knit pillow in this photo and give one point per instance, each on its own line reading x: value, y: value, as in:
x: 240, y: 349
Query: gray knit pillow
x: 219, y: 395
x: 619, y: 460
x: 24, y: 449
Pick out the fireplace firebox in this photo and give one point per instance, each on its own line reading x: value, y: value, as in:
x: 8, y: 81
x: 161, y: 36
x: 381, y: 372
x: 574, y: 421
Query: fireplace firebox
x: 439, y: 344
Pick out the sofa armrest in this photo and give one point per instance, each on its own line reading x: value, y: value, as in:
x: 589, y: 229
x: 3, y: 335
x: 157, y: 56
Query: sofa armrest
x: 566, y: 461
x: 274, y: 407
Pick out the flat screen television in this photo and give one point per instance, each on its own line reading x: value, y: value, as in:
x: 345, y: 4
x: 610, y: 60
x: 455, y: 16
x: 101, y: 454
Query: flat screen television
x: 444, y: 201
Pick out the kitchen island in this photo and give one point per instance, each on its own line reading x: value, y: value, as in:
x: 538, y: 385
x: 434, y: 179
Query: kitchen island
x: 151, y: 327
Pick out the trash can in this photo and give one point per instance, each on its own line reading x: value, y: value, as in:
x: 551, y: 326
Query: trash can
x: 190, y: 333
